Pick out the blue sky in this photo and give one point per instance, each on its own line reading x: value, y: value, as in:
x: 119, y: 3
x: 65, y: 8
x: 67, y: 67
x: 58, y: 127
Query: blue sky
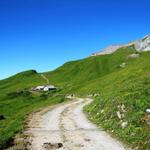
x: 43, y: 34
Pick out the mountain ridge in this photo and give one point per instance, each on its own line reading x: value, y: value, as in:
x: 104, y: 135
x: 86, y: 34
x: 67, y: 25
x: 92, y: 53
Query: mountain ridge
x: 140, y: 45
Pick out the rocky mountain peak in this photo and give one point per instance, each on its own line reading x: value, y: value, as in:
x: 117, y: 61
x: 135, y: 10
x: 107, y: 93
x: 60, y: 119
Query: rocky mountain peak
x: 143, y: 44
x: 146, y: 37
x: 140, y: 45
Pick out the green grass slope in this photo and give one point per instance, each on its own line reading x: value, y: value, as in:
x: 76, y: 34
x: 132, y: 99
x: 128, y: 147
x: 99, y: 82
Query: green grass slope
x: 21, y: 81
x: 16, y: 101
x: 88, y: 69
x: 77, y: 75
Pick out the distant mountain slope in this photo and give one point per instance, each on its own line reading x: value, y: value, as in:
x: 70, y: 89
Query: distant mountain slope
x: 21, y: 81
x: 89, y: 68
x: 140, y: 45
x: 108, y: 50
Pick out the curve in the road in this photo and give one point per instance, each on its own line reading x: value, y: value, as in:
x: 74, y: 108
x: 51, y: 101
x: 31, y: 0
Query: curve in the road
x: 67, y: 128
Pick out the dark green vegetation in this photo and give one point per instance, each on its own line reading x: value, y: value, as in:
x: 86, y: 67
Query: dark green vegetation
x: 121, y: 90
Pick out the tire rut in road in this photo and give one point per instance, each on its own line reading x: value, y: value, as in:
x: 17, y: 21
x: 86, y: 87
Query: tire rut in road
x: 72, y: 136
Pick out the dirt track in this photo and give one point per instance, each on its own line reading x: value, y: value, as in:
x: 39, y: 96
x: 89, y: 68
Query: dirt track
x: 66, y: 128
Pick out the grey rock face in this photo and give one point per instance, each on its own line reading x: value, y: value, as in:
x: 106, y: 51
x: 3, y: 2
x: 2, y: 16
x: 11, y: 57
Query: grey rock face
x: 110, y: 49
x: 140, y: 45
x: 143, y: 44
x: 134, y: 56
x: 123, y: 65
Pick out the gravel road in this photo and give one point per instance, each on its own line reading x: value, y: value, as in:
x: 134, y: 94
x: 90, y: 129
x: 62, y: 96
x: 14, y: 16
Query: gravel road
x: 66, y: 127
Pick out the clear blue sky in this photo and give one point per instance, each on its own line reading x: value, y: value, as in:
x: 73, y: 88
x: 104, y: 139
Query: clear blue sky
x: 43, y: 34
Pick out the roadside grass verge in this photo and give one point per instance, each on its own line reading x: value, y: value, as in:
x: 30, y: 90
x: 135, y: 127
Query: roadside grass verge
x: 15, y: 111
x: 121, y: 106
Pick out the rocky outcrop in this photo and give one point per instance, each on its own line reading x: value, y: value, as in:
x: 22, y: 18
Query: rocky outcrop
x: 143, y: 44
x: 123, y: 65
x: 108, y: 50
x: 140, y: 45
x: 134, y: 56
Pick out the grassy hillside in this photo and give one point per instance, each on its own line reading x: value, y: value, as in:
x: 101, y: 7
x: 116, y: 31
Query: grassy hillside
x: 123, y: 91
x: 16, y: 101
x: 120, y: 105
x: 89, y: 68
x: 21, y: 81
